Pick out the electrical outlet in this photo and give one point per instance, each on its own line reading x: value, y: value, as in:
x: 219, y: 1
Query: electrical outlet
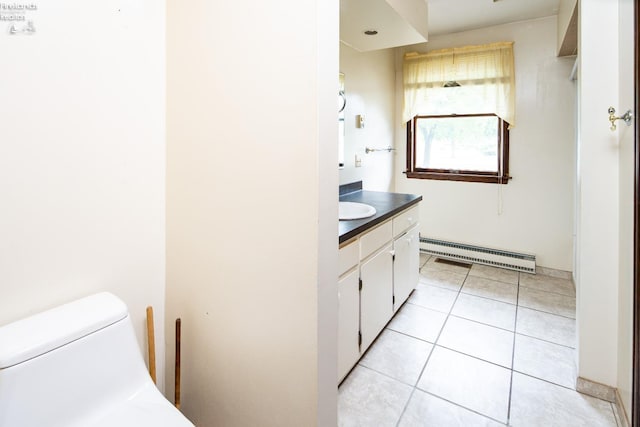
x: 358, y: 162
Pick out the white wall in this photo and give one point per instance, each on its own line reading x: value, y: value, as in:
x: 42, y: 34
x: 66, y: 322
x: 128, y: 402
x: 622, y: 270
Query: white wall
x: 370, y: 90
x: 626, y: 159
x: 252, y: 209
x: 598, y: 194
x: 82, y: 159
x: 537, y: 205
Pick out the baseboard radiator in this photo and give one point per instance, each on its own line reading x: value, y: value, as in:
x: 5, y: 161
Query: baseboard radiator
x: 479, y: 255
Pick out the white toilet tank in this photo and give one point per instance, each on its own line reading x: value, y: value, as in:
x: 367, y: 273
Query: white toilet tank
x: 79, y: 365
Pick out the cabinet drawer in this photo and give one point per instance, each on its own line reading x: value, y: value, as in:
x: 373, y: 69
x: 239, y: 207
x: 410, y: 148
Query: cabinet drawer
x: 375, y: 239
x: 347, y: 257
x: 405, y: 220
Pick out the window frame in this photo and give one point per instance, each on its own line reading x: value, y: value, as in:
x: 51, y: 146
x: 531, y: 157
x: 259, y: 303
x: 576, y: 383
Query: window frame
x: 500, y: 177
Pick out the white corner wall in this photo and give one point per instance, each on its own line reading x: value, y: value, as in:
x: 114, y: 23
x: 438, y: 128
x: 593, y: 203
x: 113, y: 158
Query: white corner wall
x: 252, y: 209
x: 627, y: 178
x: 537, y: 204
x: 597, y: 250
x: 370, y: 89
x: 82, y: 159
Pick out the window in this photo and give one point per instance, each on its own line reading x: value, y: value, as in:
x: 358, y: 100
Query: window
x: 465, y: 147
x: 458, y: 105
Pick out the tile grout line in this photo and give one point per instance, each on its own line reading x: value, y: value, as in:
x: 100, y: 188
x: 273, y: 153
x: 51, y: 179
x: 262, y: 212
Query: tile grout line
x: 529, y: 288
x: 415, y: 386
x: 360, y: 365
x: 472, y: 357
x: 513, y: 353
x: 549, y: 292
x: 547, y: 312
x: 543, y: 340
x: 494, y: 279
x: 428, y: 308
x: 479, y: 296
x: 413, y: 389
x: 555, y: 384
x: 457, y: 316
x: 462, y: 407
x: 410, y: 336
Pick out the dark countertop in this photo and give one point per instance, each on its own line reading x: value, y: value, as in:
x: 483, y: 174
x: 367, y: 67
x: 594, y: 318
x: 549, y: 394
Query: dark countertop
x: 386, y: 204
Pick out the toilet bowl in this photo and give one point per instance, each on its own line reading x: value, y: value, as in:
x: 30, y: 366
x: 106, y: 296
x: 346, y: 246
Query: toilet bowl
x: 79, y: 365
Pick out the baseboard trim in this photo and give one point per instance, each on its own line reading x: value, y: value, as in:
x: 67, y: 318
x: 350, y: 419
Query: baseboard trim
x: 621, y: 414
x: 552, y: 272
x: 595, y: 389
x: 605, y: 392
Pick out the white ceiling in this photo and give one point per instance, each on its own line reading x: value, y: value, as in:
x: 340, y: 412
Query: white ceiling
x: 451, y: 16
x: 397, y: 21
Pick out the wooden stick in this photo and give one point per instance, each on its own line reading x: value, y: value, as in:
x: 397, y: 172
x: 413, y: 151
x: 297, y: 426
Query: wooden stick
x: 152, y: 344
x: 177, y: 370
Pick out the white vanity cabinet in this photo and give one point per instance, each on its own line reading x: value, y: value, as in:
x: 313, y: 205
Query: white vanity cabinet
x: 406, y: 248
x: 405, y: 266
x: 348, y: 308
x: 378, y: 271
x: 376, y: 295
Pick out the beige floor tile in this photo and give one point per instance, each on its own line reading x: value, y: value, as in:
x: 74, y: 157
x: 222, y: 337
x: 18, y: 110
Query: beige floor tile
x: 424, y: 258
x: 494, y: 273
x: 547, y: 301
x: 398, y: 356
x: 427, y: 410
x: 442, y: 264
x: 418, y: 322
x: 367, y: 398
x: 541, y: 359
x: 546, y: 326
x: 485, y: 310
x: 552, y: 272
x: 493, y: 289
x: 433, y: 297
x: 538, y: 403
x: 466, y: 381
x: 442, y: 278
x: 474, y: 384
x: 548, y: 283
x: 475, y: 339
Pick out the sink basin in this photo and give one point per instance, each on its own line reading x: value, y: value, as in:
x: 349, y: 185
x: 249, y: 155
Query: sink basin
x: 352, y: 210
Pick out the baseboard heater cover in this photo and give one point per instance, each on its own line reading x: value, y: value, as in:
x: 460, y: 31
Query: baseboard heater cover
x: 477, y: 254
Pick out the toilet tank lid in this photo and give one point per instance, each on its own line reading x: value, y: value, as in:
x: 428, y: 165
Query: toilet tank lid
x: 38, y: 334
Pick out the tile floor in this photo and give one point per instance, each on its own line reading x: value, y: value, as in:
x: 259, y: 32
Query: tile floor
x: 477, y: 346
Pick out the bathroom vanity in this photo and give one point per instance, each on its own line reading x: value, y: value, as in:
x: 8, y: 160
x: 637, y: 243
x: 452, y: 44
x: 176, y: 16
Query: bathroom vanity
x: 378, y: 269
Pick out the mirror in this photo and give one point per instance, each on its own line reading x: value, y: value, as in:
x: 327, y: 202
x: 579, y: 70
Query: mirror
x: 342, y: 103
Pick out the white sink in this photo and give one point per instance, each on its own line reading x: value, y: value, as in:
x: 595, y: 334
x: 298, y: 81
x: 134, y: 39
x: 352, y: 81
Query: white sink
x: 352, y: 210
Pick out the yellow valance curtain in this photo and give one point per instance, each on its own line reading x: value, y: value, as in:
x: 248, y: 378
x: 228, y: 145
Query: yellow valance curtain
x: 485, y: 75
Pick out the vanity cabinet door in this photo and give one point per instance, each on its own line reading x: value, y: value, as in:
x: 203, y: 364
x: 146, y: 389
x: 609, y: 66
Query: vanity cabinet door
x: 405, y: 265
x: 348, y: 322
x: 376, y: 306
